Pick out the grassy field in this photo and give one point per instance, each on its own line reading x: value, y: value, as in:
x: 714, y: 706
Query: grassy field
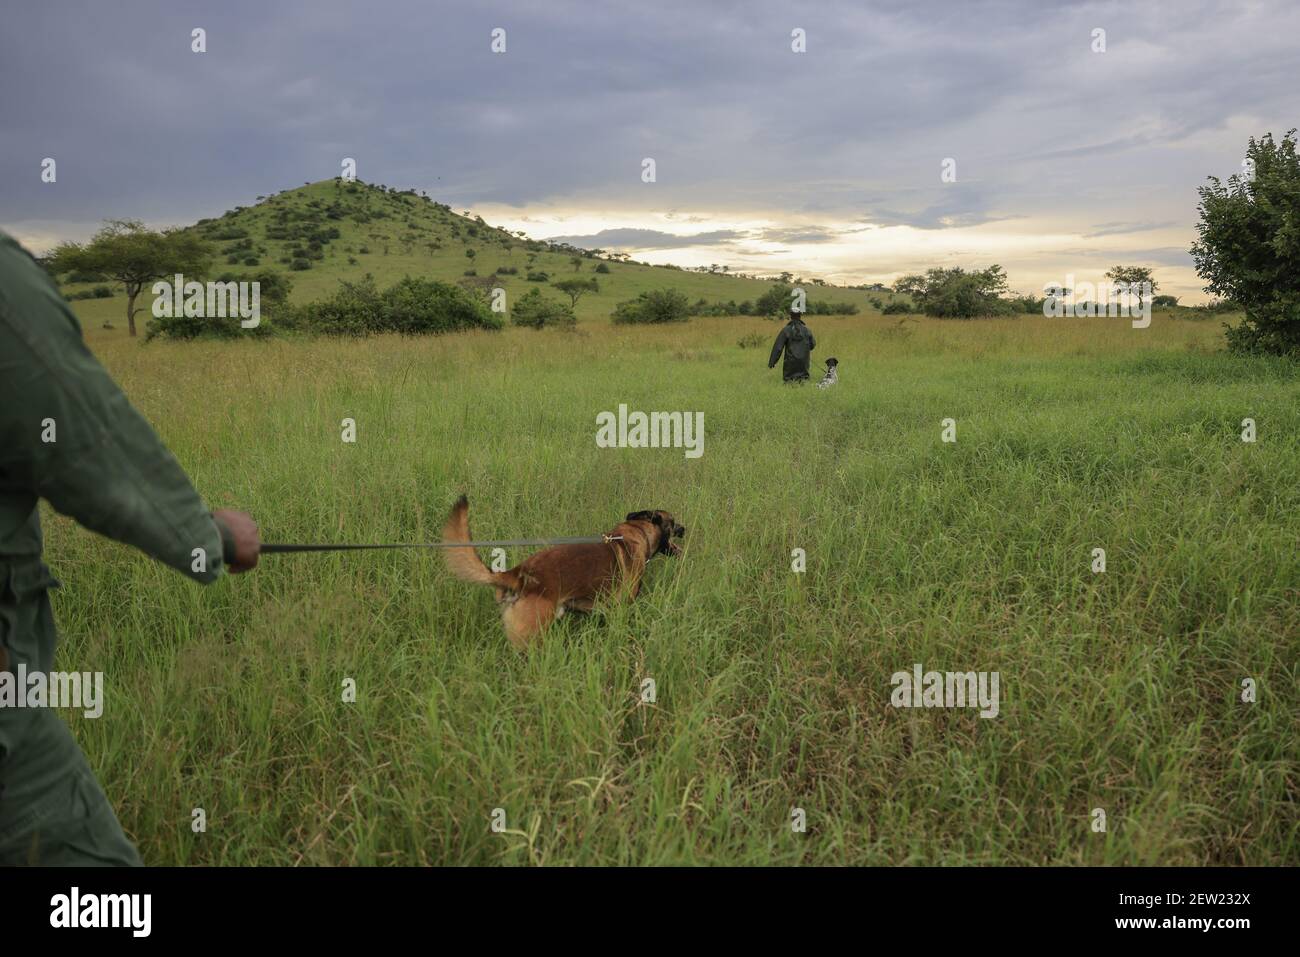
x: 1119, y: 690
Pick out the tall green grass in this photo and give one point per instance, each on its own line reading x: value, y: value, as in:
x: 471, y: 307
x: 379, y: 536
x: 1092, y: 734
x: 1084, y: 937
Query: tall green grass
x: 1119, y: 691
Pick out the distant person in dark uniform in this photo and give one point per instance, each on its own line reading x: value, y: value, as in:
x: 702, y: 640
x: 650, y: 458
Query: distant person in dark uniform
x: 797, y: 341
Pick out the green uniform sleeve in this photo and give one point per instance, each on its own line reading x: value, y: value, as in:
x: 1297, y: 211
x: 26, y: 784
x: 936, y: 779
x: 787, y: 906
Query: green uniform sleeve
x: 69, y: 435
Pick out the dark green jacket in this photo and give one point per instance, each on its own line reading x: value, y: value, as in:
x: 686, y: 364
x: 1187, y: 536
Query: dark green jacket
x: 798, y: 342
x: 106, y: 467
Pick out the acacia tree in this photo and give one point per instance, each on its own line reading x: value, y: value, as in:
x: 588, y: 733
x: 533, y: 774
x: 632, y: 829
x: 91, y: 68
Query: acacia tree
x: 1131, y: 278
x: 135, y: 256
x: 576, y: 288
x: 1249, y: 246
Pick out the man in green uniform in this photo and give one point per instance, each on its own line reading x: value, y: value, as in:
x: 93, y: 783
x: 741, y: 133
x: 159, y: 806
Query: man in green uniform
x: 797, y: 341
x: 68, y: 435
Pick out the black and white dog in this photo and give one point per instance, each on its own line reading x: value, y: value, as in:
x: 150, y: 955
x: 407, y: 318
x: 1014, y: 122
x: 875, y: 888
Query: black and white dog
x: 831, y: 377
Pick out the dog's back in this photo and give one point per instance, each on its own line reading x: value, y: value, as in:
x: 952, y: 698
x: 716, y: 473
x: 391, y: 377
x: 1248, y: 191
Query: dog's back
x: 563, y: 577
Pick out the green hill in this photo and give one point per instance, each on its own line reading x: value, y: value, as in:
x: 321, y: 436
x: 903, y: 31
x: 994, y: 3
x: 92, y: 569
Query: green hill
x: 335, y: 230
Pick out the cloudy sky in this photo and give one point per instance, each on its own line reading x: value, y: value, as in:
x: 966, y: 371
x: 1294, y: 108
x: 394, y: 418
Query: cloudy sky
x: 826, y: 162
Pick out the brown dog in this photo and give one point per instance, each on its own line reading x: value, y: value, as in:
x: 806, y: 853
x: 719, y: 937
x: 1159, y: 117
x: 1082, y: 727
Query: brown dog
x: 540, y: 589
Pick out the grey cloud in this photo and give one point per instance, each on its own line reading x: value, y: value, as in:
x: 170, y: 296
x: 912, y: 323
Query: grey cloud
x: 1117, y: 229
x: 632, y: 238
x: 854, y: 129
x: 797, y: 234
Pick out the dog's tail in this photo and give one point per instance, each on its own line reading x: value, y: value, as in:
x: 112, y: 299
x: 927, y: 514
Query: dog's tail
x: 464, y: 562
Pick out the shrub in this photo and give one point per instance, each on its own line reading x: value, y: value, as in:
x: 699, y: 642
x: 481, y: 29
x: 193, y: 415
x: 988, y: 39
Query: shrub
x: 1248, y: 249
x: 78, y: 276
x: 1215, y: 307
x: 896, y: 308
x: 99, y: 292
x: 818, y: 308
x: 602, y: 267
x: 654, y: 306
x: 775, y: 303
x: 298, y: 265
x: 252, y: 261
x: 273, y: 287
x: 274, y: 313
x: 535, y: 310
x: 702, y: 307
x: 954, y: 293
x: 1030, y: 305
x: 411, y: 307
x: 538, y: 277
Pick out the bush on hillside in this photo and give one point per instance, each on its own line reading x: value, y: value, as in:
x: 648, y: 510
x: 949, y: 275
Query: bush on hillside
x: 99, y: 292
x: 537, y: 311
x: 775, y: 302
x: 654, y: 306
x: 411, y: 307
x: 817, y: 307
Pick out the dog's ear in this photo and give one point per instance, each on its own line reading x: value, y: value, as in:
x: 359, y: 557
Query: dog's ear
x: 641, y: 516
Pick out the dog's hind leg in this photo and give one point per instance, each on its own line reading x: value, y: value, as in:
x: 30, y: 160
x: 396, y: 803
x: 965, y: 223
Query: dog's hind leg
x: 527, y: 618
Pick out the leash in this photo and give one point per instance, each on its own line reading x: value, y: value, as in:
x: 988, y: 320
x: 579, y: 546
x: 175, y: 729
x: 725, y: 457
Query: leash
x: 575, y: 540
